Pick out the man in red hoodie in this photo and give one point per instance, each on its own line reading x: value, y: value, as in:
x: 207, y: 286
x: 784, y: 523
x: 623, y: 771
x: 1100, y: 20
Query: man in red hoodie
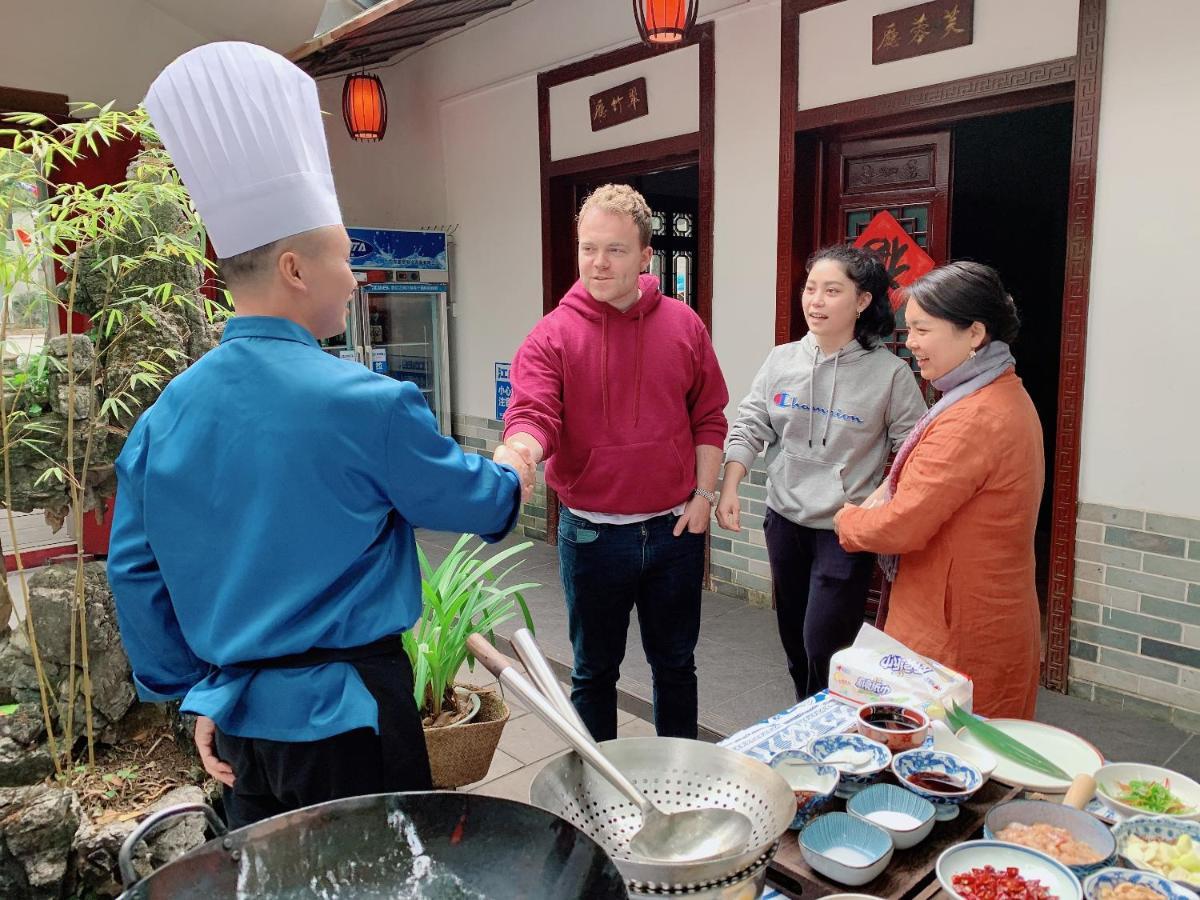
x: 619, y: 390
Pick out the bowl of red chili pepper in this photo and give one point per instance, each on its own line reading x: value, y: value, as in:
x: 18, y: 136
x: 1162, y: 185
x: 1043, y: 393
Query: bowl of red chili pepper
x: 992, y: 870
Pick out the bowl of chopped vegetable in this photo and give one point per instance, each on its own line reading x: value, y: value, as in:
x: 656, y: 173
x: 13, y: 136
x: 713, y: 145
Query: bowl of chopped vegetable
x: 982, y: 870
x: 1125, y: 884
x: 1163, y: 846
x: 1137, y: 789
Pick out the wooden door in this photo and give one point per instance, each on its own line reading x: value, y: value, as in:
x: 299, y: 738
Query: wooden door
x: 908, y: 177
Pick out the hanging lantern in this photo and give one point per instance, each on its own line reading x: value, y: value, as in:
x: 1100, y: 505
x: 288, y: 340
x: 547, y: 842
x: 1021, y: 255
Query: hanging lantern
x: 364, y: 107
x: 665, y: 23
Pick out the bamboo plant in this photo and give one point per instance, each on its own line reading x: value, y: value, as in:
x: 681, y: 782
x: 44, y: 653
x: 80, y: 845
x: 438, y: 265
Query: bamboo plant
x: 66, y: 418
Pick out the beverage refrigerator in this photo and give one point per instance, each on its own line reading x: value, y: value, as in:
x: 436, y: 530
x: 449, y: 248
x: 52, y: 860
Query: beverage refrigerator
x: 397, y: 322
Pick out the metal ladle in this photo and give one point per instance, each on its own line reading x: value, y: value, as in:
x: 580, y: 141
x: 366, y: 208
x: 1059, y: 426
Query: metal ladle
x: 687, y: 836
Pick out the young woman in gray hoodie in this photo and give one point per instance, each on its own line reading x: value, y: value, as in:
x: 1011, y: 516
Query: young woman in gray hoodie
x: 828, y: 409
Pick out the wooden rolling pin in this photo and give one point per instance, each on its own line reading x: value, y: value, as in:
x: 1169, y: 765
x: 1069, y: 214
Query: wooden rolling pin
x: 1081, y: 791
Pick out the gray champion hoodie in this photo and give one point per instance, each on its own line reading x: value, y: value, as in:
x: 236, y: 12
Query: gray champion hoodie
x: 828, y: 424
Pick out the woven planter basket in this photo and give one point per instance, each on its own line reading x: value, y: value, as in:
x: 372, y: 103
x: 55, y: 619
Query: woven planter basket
x: 463, y: 754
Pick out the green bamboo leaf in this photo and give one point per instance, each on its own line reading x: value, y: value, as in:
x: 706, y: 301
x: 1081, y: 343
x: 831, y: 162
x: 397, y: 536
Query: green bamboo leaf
x: 1006, y: 745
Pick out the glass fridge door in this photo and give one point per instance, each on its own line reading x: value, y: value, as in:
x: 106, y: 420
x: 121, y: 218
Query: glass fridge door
x: 406, y: 337
x: 348, y: 344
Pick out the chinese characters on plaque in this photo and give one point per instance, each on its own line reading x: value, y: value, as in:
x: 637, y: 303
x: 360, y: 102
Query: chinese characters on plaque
x: 921, y: 29
x: 619, y: 104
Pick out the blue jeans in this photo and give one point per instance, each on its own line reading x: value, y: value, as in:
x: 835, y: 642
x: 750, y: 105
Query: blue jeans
x: 607, y: 570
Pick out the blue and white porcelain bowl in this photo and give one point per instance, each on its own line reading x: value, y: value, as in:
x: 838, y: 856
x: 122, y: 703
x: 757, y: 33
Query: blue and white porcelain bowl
x: 1082, y: 826
x: 906, y: 818
x: 845, y: 849
x: 1155, y: 828
x: 1095, y: 884
x: 873, y: 755
x: 934, y: 762
x: 1030, y: 864
x: 813, y: 785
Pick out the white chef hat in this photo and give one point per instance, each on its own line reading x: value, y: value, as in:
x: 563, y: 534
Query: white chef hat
x: 243, y: 127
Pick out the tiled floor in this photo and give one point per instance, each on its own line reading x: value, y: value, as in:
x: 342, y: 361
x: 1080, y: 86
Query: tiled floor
x: 527, y: 744
x: 743, y: 679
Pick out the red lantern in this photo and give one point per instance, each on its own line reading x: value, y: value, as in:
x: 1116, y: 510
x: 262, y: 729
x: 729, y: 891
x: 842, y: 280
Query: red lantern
x: 364, y: 107
x: 665, y: 23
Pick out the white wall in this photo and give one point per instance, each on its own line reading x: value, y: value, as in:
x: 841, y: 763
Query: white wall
x: 746, y: 193
x: 494, y: 195
x: 1141, y: 430
x: 672, y: 96
x: 102, y: 50
x: 835, y: 47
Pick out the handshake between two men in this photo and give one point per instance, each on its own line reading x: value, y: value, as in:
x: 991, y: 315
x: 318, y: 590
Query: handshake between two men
x: 521, y: 457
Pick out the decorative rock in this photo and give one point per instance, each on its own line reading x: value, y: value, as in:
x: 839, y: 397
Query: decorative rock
x: 84, y: 398
x: 52, y: 605
x: 37, y: 828
x: 142, y: 718
x: 181, y: 835
x: 25, y: 725
x: 83, y: 351
x: 96, y: 852
x: 22, y: 765
x: 97, y: 846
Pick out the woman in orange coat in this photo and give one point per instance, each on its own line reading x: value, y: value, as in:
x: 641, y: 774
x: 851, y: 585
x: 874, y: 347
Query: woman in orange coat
x: 958, y: 511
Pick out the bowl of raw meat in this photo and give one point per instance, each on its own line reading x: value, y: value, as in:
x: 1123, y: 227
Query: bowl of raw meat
x: 1076, y: 839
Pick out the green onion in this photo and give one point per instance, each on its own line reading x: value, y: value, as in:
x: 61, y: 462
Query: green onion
x: 1150, y: 796
x: 1004, y: 744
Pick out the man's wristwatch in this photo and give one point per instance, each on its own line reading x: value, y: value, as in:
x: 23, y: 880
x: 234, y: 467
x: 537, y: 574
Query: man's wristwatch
x: 707, y: 495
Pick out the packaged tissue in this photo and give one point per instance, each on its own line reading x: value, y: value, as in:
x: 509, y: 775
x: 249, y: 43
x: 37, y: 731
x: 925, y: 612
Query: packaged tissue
x: 878, y: 668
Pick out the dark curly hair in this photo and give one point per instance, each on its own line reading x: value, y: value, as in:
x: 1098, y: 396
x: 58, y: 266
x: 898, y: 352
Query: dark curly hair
x: 965, y: 292
x: 870, y: 276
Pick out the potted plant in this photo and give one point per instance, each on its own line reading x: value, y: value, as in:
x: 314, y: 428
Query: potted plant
x: 463, y: 595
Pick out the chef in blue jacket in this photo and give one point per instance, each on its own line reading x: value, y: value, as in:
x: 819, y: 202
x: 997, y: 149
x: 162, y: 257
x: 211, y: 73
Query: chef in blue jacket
x: 262, y: 555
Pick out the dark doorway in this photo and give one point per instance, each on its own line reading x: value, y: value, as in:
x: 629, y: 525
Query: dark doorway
x: 674, y: 199
x: 1011, y: 176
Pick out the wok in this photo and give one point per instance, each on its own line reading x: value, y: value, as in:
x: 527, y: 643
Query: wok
x: 438, y: 845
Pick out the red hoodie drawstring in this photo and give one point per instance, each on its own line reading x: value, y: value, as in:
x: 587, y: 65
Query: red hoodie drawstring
x: 637, y: 372
x: 604, y: 366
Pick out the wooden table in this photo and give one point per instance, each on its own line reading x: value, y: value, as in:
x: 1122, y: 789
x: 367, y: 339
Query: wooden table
x: 909, y: 876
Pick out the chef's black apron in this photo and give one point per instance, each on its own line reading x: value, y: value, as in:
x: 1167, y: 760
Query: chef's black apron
x: 274, y: 777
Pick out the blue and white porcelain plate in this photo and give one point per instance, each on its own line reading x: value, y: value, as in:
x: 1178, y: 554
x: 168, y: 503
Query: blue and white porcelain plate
x: 1111, y: 878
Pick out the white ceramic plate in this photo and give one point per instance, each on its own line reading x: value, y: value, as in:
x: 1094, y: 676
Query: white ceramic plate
x: 1068, y: 751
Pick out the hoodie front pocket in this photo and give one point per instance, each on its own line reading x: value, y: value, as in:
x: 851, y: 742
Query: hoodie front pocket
x: 623, y: 473
x: 811, y: 487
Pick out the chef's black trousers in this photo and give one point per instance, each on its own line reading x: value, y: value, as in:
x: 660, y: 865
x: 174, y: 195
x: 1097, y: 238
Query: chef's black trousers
x: 273, y: 777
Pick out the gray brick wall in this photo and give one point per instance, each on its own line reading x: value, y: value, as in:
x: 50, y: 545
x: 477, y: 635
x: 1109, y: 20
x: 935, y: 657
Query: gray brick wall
x: 739, y: 559
x: 479, y: 435
x: 1135, y: 630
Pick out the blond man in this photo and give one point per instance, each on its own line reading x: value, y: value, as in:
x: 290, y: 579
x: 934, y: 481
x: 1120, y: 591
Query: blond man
x: 619, y: 390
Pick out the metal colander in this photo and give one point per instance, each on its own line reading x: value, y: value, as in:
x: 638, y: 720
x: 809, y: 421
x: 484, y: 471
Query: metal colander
x: 675, y: 774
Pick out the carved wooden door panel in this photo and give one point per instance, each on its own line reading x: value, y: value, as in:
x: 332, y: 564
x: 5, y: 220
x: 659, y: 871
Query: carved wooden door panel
x: 907, y: 176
